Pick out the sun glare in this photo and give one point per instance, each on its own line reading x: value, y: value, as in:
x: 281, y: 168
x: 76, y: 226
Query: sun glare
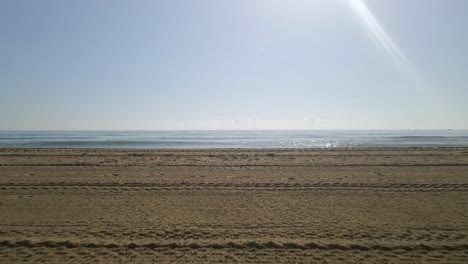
x: 383, y: 38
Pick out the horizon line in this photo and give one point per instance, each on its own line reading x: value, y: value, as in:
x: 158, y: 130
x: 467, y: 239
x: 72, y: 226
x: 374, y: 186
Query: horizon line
x: 318, y: 129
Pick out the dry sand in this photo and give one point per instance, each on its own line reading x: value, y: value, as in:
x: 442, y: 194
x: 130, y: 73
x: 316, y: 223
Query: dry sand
x: 143, y: 206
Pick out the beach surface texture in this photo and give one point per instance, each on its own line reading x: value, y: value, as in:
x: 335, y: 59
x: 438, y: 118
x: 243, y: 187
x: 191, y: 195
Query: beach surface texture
x: 362, y: 205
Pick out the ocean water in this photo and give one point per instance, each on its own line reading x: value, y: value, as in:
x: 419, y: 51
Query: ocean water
x: 234, y: 139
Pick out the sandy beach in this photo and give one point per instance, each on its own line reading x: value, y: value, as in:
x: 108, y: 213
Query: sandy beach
x: 368, y: 205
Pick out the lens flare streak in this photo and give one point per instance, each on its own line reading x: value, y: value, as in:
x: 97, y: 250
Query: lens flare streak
x: 384, y: 39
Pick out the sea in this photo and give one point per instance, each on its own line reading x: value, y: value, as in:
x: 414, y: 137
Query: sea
x: 235, y: 139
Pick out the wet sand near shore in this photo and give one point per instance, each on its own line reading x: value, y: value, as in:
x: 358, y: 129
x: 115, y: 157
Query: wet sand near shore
x: 362, y: 205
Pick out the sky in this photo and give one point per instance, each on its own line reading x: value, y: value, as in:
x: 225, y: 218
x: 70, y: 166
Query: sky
x: 233, y: 64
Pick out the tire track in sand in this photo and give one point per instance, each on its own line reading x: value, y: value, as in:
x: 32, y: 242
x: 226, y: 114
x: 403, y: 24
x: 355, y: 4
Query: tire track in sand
x: 240, y: 186
x: 234, y: 245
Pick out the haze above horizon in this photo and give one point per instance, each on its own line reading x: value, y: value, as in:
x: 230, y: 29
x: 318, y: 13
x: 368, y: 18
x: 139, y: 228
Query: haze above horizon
x: 234, y: 64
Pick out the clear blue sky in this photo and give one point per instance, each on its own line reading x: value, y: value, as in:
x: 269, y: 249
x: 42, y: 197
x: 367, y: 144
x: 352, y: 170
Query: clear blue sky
x: 233, y: 64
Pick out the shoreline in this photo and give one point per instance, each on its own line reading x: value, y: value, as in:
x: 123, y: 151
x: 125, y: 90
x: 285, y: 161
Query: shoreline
x: 241, y: 149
